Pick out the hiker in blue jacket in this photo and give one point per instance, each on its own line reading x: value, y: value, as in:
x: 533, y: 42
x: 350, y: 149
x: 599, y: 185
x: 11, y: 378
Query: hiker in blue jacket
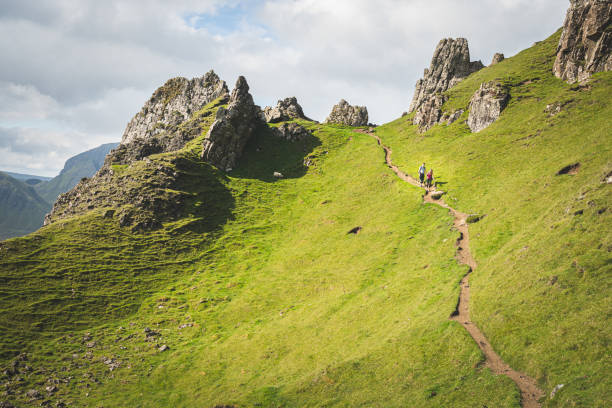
x: 422, y: 174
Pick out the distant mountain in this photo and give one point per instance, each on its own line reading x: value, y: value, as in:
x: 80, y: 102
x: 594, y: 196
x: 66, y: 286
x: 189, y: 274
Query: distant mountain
x: 28, y: 178
x: 85, y: 164
x: 22, y: 210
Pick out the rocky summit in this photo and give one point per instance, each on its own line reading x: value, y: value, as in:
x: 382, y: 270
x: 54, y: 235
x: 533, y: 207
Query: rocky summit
x: 232, y: 128
x: 497, y: 58
x: 285, y: 109
x: 586, y: 42
x: 449, y: 65
x: 345, y: 114
x: 486, y: 105
x: 172, y: 104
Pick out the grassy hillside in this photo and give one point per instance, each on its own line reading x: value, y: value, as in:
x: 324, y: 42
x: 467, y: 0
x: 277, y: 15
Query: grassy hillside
x: 264, y: 300
x: 541, y: 293
x: 21, y: 209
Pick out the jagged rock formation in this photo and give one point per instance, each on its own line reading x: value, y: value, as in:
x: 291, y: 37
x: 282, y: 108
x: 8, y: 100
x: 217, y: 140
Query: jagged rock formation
x: 486, y: 105
x: 449, y: 65
x: 285, y: 109
x: 172, y: 104
x: 292, y: 132
x: 345, y: 114
x: 232, y: 128
x: 497, y: 58
x: 586, y: 43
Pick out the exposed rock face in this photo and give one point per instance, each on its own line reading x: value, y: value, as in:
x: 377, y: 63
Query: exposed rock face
x: 429, y: 113
x: 292, y: 132
x: 232, y: 128
x: 172, y: 104
x: 345, y: 114
x: 285, y: 109
x: 497, y: 58
x: 486, y: 105
x: 586, y: 43
x: 449, y: 65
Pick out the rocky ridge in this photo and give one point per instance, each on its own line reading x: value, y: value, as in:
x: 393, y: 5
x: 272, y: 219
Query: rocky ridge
x: 172, y: 104
x: 345, y: 114
x: 285, y: 109
x: 585, y: 46
x: 449, y: 65
x: 232, y: 128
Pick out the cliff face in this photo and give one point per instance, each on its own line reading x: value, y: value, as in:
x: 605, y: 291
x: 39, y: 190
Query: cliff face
x: 172, y: 104
x: 586, y: 43
x: 449, y: 65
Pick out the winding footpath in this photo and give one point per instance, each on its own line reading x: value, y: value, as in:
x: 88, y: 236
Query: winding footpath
x: 530, y: 393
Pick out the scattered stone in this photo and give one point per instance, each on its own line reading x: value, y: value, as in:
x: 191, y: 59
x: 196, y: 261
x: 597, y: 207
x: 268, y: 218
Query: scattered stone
x: 150, y: 333
x: 87, y: 337
x: 355, y: 230
x: 608, y: 178
x: 450, y: 118
x: 450, y: 64
x: 285, y: 109
x: 277, y: 174
x: 51, y: 389
x: 185, y: 325
x: 497, y: 58
x: 569, y: 169
x: 90, y: 344
x: 109, y: 213
x: 586, y: 42
x: 486, y: 105
x: 473, y: 218
x: 553, y: 279
x: 163, y: 348
x: 556, y: 390
x: 232, y: 128
x: 6, y: 404
x: 33, y: 394
x: 292, y: 132
x: 436, y: 195
x: 345, y: 114
x: 111, y: 363
x: 404, y: 114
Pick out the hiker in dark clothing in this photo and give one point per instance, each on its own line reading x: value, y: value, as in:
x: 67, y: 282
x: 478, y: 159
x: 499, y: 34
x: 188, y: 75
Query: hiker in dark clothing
x: 422, y: 174
x: 429, y: 179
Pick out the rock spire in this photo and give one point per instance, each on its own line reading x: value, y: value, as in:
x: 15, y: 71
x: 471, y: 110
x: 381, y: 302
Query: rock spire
x: 345, y: 114
x: 285, y: 109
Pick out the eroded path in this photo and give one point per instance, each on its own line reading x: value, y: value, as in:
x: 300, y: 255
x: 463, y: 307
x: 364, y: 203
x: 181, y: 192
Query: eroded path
x: 530, y: 393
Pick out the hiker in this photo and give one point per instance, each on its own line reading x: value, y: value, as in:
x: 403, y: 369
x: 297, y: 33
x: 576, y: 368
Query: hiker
x: 429, y: 179
x: 422, y: 173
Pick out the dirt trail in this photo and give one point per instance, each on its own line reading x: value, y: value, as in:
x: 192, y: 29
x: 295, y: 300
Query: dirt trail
x: 530, y: 393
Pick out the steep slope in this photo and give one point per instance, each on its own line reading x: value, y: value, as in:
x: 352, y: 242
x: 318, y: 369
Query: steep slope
x: 84, y: 164
x: 538, y: 178
x: 21, y: 209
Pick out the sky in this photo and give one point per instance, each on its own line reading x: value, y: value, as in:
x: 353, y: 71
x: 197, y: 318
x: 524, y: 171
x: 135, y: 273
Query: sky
x: 74, y: 72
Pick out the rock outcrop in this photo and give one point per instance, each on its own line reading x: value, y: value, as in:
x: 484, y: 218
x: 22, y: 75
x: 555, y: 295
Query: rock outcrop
x: 586, y: 42
x: 345, y: 114
x: 292, y: 132
x: 497, y: 58
x: 285, y: 109
x: 172, y: 104
x: 449, y: 65
x: 232, y: 128
x: 486, y: 105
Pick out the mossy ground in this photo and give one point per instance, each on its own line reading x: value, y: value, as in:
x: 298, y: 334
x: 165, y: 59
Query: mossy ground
x: 264, y: 299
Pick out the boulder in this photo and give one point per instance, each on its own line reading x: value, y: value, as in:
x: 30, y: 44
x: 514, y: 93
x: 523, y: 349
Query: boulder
x: 497, y: 58
x: 285, y: 109
x: 486, y: 105
x: 292, y: 132
x: 173, y: 103
x: 345, y: 114
x: 232, y: 128
x: 449, y: 65
x: 585, y: 46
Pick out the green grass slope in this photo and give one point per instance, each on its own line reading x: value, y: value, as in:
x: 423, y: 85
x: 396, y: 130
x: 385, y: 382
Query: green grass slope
x: 21, y: 209
x: 541, y: 292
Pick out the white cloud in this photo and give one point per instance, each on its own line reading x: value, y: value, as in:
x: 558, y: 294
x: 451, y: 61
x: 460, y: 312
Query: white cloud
x: 78, y: 70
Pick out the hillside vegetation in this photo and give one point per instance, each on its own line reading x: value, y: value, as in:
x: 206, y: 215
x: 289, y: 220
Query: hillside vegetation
x: 263, y: 299
x: 21, y: 209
